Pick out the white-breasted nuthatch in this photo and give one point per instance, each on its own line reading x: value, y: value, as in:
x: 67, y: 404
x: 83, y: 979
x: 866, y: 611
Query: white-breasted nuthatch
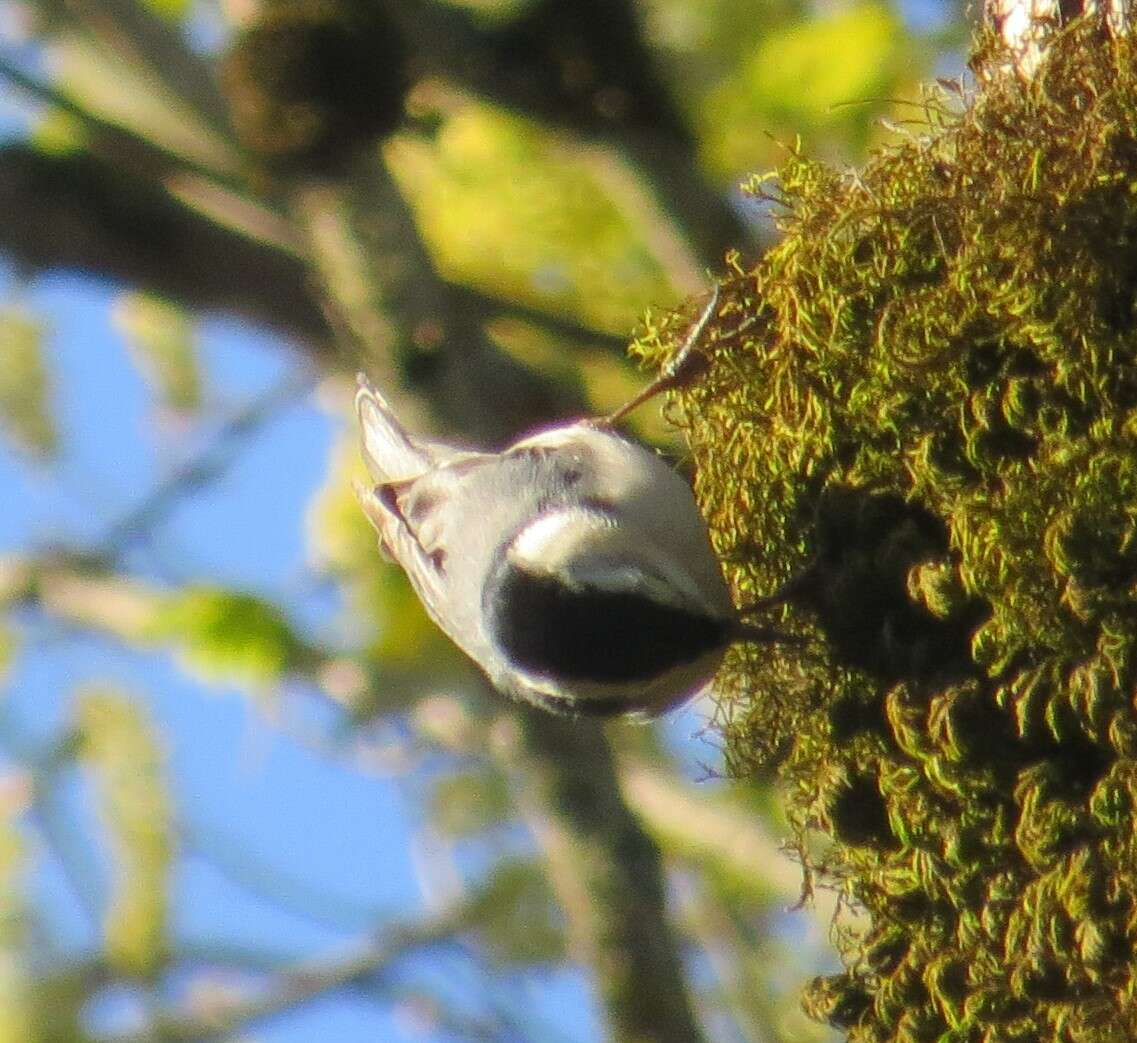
x: 573, y: 567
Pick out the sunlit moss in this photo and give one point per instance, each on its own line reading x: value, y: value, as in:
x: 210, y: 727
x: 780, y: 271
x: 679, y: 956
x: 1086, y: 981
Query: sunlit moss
x: 923, y: 404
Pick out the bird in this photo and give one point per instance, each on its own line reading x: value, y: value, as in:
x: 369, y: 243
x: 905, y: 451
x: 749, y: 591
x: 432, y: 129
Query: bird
x: 573, y: 567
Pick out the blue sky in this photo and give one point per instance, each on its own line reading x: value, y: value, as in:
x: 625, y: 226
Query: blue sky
x: 257, y: 802
x: 266, y: 802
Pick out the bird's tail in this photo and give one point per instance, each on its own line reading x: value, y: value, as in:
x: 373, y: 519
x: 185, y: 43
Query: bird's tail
x: 390, y: 453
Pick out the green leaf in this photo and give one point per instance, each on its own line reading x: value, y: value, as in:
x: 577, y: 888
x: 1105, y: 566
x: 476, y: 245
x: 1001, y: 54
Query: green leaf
x: 507, y: 206
x: 160, y: 337
x: 24, y: 383
x: 120, y: 748
x: 224, y: 636
x: 59, y: 133
x: 168, y: 10
x: 823, y: 80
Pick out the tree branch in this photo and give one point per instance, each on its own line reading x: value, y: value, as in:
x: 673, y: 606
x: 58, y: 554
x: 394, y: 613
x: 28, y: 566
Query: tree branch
x: 301, y: 984
x: 81, y: 213
x: 605, y: 867
x: 606, y: 871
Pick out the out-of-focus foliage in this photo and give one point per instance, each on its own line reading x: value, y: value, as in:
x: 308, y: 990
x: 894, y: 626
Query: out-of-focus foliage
x: 229, y: 637
x: 756, y: 76
x: 9, y: 646
x: 494, y: 11
x: 311, y: 82
x: 161, y: 338
x: 174, y: 10
x: 605, y: 381
x: 132, y: 94
x: 24, y: 409
x: 507, y: 204
x: 516, y: 914
x: 119, y: 749
x: 790, y: 84
x: 17, y: 1018
x: 937, y: 363
x: 60, y: 133
x: 381, y: 606
x: 467, y: 803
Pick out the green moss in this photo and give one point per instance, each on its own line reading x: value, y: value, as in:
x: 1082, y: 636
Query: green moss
x: 923, y: 405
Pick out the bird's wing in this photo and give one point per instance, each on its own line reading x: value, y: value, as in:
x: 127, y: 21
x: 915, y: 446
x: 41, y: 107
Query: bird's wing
x: 411, y: 504
x: 424, y: 566
x: 391, y: 453
x: 419, y: 528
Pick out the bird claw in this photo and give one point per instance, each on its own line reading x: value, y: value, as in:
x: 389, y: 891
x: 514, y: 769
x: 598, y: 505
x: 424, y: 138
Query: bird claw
x: 680, y: 370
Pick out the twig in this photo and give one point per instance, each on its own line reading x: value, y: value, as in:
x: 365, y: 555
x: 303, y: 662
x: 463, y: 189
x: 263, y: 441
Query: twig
x: 141, y: 152
x: 203, y: 468
x: 300, y: 897
x: 303, y: 983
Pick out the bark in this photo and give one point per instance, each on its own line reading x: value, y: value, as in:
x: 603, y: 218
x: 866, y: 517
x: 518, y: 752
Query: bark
x: 1023, y: 27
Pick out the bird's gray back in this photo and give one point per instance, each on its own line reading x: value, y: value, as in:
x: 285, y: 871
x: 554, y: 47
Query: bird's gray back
x: 463, y: 516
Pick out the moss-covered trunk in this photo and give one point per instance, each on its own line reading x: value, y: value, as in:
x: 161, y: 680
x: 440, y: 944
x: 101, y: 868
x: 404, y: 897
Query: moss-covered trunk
x: 923, y: 406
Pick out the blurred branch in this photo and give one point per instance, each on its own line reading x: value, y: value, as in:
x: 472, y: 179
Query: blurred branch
x: 76, y: 858
x: 388, y: 303
x: 605, y: 868
x: 80, y: 213
x: 606, y: 871
x: 743, y: 994
x: 137, y: 36
x: 700, y: 827
x: 104, y: 136
x: 406, y: 324
x: 303, y: 983
x: 204, y: 467
x: 230, y: 857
